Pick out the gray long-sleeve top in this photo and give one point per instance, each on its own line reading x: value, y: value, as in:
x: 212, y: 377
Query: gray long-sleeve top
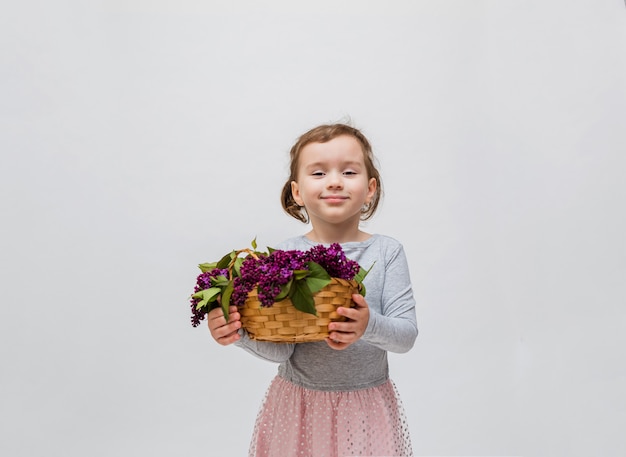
x: 392, y: 324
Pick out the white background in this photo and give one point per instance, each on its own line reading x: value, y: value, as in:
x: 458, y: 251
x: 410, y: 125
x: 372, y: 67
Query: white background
x: 142, y: 137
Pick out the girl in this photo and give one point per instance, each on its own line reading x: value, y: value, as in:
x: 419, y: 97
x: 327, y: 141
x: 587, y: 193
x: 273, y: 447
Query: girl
x: 334, y: 398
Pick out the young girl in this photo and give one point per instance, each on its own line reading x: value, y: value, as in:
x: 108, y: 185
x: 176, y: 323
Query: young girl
x: 334, y: 398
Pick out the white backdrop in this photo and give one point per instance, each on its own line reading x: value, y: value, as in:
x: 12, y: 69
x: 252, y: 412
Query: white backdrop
x: 140, y: 138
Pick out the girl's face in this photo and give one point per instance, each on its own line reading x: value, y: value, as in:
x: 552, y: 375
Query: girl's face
x: 332, y: 181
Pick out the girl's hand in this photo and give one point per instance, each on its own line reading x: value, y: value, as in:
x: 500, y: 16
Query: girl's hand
x: 343, y: 334
x: 223, y: 332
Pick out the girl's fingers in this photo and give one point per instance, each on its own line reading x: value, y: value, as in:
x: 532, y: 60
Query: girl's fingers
x: 335, y: 344
x: 224, y: 332
x: 227, y: 334
x: 359, y: 300
x: 228, y: 339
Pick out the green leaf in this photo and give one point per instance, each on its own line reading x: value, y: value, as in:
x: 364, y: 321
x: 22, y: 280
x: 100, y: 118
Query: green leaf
x: 360, y: 276
x: 302, y: 298
x: 254, y: 243
x: 237, y: 266
x: 317, y: 278
x: 228, y: 291
x: 284, y: 291
x: 206, y: 296
x: 225, y: 261
x: 220, y: 281
x: 204, y: 267
x: 299, y: 275
x: 316, y: 284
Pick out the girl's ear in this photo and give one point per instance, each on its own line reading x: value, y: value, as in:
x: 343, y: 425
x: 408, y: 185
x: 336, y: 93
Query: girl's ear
x: 371, y: 189
x: 295, y: 192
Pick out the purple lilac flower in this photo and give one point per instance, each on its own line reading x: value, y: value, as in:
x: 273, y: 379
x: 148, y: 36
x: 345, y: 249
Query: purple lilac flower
x: 203, y: 281
x: 247, y: 281
x: 276, y: 271
x: 268, y: 274
x: 334, y: 261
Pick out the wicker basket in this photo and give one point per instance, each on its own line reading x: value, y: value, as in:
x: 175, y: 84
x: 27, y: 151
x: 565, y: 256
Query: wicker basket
x: 283, y: 323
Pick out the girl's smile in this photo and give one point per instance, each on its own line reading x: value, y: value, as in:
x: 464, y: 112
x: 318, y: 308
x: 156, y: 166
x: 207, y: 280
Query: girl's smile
x: 334, y: 198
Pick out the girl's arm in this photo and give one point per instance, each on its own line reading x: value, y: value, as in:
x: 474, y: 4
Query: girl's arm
x: 394, y: 330
x: 272, y: 352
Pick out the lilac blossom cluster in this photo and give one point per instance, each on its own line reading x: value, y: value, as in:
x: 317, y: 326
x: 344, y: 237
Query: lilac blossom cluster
x: 334, y: 261
x: 203, y: 282
x: 269, y: 274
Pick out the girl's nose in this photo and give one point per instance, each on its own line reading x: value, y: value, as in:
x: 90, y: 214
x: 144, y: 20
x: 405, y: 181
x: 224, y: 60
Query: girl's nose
x: 335, y: 181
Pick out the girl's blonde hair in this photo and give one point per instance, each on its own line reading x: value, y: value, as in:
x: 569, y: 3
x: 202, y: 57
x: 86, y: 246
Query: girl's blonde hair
x: 323, y: 134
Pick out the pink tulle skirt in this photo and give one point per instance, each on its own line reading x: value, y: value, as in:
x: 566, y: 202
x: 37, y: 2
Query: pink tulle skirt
x: 294, y: 421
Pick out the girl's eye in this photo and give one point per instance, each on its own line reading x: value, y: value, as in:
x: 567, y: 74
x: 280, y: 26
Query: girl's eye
x: 317, y: 173
x: 349, y: 173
